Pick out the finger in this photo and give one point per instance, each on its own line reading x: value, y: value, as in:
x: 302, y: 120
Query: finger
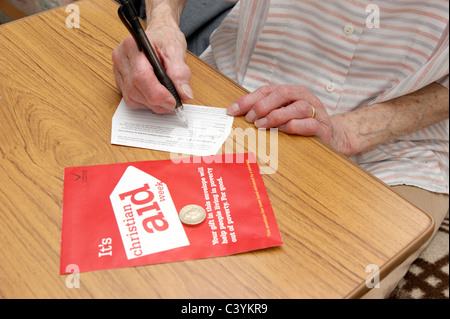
x: 246, y: 102
x: 136, y: 105
x: 297, y: 110
x: 170, y: 45
x: 120, y: 65
x: 180, y: 74
x: 133, y: 98
x: 146, y: 83
x: 122, y: 73
x: 140, y: 82
x: 118, y: 78
x: 284, y: 95
x: 304, y: 127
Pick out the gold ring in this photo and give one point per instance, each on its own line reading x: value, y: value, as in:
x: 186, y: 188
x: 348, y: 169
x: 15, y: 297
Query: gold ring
x: 313, y: 115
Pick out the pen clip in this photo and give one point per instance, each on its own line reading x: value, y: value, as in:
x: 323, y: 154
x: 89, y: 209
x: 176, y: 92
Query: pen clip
x: 127, y: 13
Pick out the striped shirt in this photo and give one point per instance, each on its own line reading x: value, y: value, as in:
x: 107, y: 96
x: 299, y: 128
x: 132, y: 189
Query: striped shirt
x: 350, y: 54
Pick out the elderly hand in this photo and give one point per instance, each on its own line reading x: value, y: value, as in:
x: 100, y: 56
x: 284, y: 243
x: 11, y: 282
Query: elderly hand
x: 294, y: 110
x: 135, y: 77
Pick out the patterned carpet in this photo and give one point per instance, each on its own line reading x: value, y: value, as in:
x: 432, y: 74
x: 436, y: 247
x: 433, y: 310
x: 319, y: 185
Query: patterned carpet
x: 427, y: 278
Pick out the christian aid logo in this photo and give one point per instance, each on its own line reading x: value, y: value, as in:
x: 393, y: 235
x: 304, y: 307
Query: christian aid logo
x: 146, y: 215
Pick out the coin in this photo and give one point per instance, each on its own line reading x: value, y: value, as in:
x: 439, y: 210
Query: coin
x: 192, y: 215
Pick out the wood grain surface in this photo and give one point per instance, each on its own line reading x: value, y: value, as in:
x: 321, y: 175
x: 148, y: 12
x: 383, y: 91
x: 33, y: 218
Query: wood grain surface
x: 57, y: 99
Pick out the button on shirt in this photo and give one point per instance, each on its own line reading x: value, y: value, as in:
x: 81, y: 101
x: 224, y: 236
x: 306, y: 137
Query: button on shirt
x: 330, y: 87
x: 348, y: 29
x: 336, y: 51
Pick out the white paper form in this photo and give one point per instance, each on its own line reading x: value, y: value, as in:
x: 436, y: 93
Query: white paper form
x: 208, y: 129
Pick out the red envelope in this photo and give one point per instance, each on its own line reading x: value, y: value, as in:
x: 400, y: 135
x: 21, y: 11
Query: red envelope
x: 127, y: 214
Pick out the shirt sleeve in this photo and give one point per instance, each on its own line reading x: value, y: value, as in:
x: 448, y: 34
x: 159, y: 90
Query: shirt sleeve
x: 436, y: 69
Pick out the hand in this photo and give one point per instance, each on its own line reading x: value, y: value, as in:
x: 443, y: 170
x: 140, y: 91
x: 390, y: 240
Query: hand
x: 134, y: 75
x: 294, y: 110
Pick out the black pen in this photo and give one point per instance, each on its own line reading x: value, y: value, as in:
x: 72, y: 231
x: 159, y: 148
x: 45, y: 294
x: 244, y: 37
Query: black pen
x: 130, y: 19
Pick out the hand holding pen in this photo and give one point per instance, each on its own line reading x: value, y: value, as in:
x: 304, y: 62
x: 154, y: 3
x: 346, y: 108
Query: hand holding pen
x: 142, y: 78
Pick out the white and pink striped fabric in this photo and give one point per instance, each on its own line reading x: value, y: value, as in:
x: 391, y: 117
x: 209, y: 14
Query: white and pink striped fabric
x: 349, y: 60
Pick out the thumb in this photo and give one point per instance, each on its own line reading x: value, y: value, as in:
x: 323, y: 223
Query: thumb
x: 185, y: 92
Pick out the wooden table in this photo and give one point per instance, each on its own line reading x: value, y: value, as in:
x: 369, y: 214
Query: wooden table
x: 57, y: 99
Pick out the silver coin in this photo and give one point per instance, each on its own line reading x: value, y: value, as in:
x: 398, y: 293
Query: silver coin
x: 192, y: 215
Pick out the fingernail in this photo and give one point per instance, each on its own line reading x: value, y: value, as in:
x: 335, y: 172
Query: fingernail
x: 169, y: 104
x: 188, y: 91
x: 251, y: 116
x: 233, y: 109
x: 261, y: 122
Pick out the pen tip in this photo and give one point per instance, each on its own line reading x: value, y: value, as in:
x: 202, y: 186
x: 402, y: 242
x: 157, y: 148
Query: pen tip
x: 182, y: 117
